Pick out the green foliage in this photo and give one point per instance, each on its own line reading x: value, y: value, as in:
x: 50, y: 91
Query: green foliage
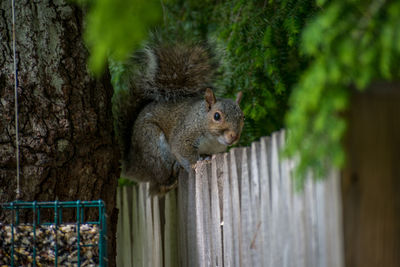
x: 343, y: 45
x: 314, y: 52
x: 351, y: 43
x: 116, y: 27
x: 125, y: 182
x: 259, y: 45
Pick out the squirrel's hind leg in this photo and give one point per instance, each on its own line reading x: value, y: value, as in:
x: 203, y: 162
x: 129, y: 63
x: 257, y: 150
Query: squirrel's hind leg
x: 151, y: 159
x: 162, y: 189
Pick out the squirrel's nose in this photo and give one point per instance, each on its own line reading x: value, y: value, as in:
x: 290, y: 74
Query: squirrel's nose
x: 231, y: 137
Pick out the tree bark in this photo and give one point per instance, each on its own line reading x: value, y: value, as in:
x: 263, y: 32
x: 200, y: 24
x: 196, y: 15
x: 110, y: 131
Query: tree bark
x: 67, y: 145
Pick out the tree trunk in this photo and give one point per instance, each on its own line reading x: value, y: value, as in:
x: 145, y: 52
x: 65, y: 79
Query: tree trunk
x: 67, y: 147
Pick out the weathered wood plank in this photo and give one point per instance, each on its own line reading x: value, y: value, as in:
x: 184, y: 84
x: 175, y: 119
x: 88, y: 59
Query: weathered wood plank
x: 202, y: 215
x: 276, y: 209
x: 148, y: 224
x: 137, y: 255
x: 300, y: 238
x: 312, y: 246
x: 286, y: 195
x: 216, y: 236
x: 265, y: 200
x: 191, y: 234
x: 235, y: 171
x: 171, y: 230
x: 256, y: 236
x: 129, y: 193
x: 245, y: 207
x: 226, y: 214
x: 329, y: 217
x: 183, y: 212
x: 334, y: 226
x: 156, y: 237
x: 139, y: 242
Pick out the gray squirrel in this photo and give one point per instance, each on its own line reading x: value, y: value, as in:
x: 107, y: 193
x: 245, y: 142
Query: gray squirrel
x: 170, y: 116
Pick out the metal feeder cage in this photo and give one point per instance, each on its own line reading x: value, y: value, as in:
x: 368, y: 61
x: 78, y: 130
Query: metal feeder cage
x: 53, y: 243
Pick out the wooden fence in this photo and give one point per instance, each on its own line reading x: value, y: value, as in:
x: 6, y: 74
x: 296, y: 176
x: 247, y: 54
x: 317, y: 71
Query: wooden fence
x: 239, y: 209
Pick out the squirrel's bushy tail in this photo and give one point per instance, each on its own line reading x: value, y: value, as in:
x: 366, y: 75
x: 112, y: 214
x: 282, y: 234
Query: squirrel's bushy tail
x: 160, y: 72
x: 125, y: 107
x: 175, y: 71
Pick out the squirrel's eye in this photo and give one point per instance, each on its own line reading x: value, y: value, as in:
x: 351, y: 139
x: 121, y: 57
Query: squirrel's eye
x: 217, y: 116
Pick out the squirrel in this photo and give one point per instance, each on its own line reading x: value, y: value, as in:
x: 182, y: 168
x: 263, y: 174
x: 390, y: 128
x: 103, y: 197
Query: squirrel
x: 170, y: 116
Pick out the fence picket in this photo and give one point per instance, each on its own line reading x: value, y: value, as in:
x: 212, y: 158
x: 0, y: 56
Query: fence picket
x: 329, y: 230
x: 299, y: 227
x: 191, y: 221
x: 277, y: 222
x: 265, y: 201
x: 286, y: 187
x: 226, y: 214
x: 148, y: 225
x: 171, y: 230
x: 236, y: 162
x: 183, y: 213
x: 311, y: 223
x: 216, y: 236
x: 245, y: 207
x: 202, y: 174
x: 156, y: 238
x: 256, y: 236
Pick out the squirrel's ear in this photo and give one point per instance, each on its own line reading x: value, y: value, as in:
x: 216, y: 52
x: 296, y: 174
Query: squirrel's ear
x: 239, y: 97
x: 210, y: 98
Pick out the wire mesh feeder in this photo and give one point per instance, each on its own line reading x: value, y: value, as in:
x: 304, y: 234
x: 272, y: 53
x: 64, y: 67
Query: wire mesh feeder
x: 54, y: 243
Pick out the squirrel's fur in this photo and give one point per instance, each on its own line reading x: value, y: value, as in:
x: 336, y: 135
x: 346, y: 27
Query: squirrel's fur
x: 168, y: 118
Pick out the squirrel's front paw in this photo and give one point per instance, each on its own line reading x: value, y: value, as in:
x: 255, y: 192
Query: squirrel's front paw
x: 199, y: 163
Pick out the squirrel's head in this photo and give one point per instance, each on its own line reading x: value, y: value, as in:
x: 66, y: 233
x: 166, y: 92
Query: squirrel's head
x: 224, y: 118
